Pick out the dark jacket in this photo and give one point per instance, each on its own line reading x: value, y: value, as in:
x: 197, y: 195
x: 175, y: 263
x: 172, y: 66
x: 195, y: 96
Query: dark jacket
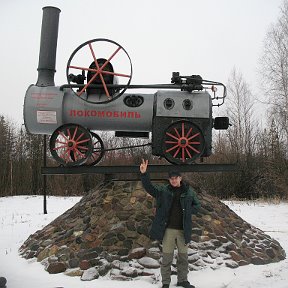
x: 164, y: 197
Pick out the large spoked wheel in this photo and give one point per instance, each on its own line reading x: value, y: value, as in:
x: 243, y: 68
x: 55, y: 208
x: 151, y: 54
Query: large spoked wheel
x: 85, y: 67
x: 97, y: 150
x: 71, y: 145
x: 183, y: 143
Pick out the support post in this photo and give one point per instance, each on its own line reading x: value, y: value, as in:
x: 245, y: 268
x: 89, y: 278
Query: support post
x: 44, y: 176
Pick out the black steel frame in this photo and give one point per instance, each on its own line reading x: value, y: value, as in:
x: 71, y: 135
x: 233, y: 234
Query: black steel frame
x: 110, y: 171
x: 128, y: 169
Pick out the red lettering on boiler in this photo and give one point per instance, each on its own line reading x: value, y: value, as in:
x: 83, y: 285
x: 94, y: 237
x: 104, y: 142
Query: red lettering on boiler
x: 104, y: 114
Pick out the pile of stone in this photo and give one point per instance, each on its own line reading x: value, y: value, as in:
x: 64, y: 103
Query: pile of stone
x: 3, y: 282
x: 107, y: 234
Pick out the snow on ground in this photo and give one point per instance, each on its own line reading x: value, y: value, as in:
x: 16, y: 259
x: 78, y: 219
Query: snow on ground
x: 21, y: 216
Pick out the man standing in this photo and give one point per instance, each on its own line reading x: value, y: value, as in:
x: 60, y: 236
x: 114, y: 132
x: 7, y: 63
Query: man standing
x: 172, y: 224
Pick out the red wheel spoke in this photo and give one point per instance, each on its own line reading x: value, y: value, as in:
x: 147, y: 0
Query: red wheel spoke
x: 79, y: 154
x: 171, y: 142
x: 82, y: 147
x: 177, y: 133
x: 78, y: 151
x: 60, y: 142
x: 195, y: 135
x: 172, y: 148
x: 100, y: 70
x: 98, y: 78
x: 103, y: 66
x: 79, y: 137
x: 82, y: 141
x: 96, y: 70
x: 172, y: 136
x: 104, y: 86
x: 183, y: 129
x: 175, y: 154
x: 183, y: 143
x: 75, y: 155
x: 194, y: 149
x: 88, y: 83
x: 63, y: 135
x: 110, y: 58
x: 188, y: 152
x: 190, y: 130
x: 183, y: 154
x: 103, y: 71
x: 68, y: 132
x: 65, y: 155
x: 83, y: 68
x: 117, y: 74
x: 93, y: 55
x: 67, y: 151
x: 107, y: 61
x: 74, y: 134
x: 60, y: 147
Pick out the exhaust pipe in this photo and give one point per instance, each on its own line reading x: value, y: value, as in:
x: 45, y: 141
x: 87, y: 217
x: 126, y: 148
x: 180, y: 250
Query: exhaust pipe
x: 48, y: 46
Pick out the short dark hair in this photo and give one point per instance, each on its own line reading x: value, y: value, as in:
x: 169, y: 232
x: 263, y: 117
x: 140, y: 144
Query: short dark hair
x: 174, y: 173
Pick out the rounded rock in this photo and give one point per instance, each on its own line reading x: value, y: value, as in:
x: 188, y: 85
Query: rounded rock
x: 3, y: 282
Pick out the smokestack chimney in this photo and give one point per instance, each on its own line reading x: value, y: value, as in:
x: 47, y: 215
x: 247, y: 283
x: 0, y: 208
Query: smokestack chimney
x: 48, y: 46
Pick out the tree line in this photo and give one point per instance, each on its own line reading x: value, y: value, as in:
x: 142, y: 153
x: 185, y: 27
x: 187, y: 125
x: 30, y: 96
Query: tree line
x: 260, y: 151
x: 260, y: 155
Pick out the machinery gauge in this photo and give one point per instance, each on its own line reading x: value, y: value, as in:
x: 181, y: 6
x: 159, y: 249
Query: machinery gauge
x: 169, y: 103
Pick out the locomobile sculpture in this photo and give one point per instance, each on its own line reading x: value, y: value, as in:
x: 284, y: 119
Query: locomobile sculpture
x: 178, y: 115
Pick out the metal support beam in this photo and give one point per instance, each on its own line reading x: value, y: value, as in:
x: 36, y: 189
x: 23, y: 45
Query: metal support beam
x: 135, y: 169
x: 44, y: 176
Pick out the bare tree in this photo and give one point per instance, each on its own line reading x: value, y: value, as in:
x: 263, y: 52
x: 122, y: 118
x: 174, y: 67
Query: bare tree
x: 240, y: 106
x: 274, y: 71
x: 7, y: 152
x: 241, y: 136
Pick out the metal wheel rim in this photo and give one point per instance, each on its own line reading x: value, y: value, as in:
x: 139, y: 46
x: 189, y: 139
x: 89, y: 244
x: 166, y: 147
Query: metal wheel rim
x: 97, y: 150
x: 183, y: 142
x: 122, y: 90
x: 71, y: 144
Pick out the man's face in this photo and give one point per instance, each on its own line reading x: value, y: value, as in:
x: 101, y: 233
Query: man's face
x: 175, y: 181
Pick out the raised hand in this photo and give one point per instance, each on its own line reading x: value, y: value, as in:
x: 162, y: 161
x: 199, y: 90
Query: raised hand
x: 143, y: 166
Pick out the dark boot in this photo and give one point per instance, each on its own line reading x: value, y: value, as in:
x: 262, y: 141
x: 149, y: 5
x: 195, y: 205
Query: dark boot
x: 185, y: 284
x: 165, y: 286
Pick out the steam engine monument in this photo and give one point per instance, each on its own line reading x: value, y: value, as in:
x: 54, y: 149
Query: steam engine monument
x: 99, y: 72
x: 107, y: 232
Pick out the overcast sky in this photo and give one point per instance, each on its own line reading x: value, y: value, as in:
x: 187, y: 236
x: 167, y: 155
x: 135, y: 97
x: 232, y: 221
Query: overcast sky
x: 206, y: 37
